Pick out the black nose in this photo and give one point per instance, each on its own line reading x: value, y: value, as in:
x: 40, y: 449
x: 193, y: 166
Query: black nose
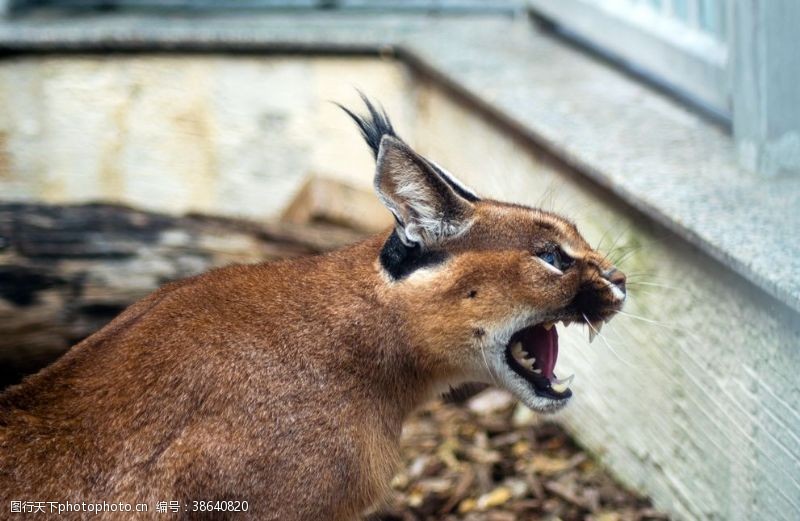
x: 616, y: 277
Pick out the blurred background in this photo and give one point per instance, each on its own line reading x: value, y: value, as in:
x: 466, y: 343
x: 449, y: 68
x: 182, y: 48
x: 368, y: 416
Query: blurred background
x: 144, y: 141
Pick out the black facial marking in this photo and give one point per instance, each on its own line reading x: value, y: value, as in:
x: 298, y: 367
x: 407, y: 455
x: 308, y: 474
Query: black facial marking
x: 472, y: 293
x: 478, y: 332
x: 400, y: 260
x: 588, y: 303
x: 463, y: 392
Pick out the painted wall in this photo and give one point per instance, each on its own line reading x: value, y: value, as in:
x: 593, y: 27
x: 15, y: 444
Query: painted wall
x: 221, y: 134
x: 692, y: 398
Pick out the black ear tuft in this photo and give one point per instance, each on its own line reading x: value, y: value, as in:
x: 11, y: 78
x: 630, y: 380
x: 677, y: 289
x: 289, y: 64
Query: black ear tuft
x: 373, y: 127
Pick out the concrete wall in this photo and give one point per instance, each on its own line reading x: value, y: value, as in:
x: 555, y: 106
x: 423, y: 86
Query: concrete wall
x: 220, y: 134
x: 693, y: 398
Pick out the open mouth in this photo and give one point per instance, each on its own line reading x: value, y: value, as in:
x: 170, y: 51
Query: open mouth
x: 532, y: 353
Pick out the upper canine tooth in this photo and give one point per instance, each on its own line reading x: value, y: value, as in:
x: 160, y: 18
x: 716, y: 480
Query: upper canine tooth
x: 598, y: 325
x: 594, y: 329
x: 548, y: 325
x: 564, y: 381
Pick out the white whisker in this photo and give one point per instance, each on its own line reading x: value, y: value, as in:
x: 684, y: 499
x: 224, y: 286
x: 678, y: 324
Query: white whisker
x: 605, y: 234
x: 682, y: 330
x: 625, y: 256
x: 634, y: 293
x: 486, y: 363
x: 617, y: 239
x: 665, y: 286
x: 643, y: 319
x: 596, y: 332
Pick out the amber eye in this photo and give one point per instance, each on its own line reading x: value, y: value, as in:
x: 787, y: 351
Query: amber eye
x: 557, y: 258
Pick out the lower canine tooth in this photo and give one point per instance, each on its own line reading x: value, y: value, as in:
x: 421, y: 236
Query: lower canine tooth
x: 565, y: 381
x: 560, y: 385
x: 517, y: 351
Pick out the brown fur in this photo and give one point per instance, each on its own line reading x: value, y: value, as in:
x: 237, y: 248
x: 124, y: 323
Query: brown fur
x: 285, y: 384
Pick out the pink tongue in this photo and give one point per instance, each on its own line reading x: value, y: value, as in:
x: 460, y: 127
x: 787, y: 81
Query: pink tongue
x: 543, y: 345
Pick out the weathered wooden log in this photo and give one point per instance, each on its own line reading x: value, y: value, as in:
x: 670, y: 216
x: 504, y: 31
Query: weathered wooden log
x: 65, y: 271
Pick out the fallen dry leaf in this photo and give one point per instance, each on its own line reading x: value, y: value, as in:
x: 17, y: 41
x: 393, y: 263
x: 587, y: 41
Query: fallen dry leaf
x: 487, y: 461
x: 494, y: 498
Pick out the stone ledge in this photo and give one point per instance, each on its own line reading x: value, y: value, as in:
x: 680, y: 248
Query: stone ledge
x: 657, y: 156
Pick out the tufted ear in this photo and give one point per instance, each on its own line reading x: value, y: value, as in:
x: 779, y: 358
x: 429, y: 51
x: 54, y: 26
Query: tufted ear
x: 427, y: 204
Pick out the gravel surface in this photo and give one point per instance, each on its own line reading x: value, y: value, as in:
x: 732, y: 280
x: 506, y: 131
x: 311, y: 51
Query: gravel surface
x: 492, y: 459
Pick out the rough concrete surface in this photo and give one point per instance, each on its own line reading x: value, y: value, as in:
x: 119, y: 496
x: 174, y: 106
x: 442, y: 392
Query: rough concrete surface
x: 217, y: 134
x: 691, y: 395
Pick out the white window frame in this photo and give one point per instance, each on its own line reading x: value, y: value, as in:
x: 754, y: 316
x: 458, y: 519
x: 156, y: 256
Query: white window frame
x: 747, y: 77
x: 688, y: 61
